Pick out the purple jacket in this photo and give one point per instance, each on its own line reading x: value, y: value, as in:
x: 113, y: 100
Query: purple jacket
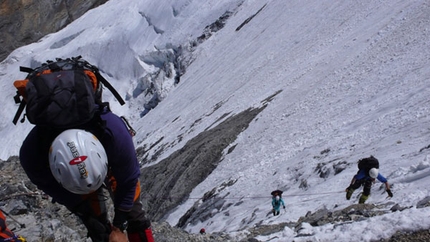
x: 121, y: 155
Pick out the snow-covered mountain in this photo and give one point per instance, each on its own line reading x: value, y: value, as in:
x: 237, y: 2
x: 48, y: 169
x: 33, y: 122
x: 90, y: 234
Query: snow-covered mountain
x: 336, y: 81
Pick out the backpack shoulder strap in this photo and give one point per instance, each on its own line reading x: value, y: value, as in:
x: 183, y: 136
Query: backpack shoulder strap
x: 19, y: 112
x: 26, y: 69
x: 20, y: 85
x: 101, y: 79
x: 110, y: 87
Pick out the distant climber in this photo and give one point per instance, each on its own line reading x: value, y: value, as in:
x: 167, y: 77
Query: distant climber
x: 277, y: 201
x: 368, y: 171
x: 202, y: 231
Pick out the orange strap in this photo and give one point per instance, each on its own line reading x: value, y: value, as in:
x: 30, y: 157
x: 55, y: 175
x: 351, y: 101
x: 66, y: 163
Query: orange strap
x: 113, y: 184
x: 137, y: 192
x: 20, y: 85
x: 92, y: 77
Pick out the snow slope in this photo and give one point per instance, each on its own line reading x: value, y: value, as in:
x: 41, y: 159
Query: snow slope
x: 351, y: 79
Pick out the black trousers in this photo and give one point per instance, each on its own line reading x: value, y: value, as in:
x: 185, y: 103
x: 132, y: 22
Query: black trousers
x: 366, y: 183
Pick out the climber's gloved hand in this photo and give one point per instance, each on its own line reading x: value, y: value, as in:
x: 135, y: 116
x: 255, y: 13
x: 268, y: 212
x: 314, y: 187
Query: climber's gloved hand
x: 390, y: 194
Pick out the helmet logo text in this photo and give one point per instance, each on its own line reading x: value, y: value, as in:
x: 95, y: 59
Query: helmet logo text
x: 78, y: 160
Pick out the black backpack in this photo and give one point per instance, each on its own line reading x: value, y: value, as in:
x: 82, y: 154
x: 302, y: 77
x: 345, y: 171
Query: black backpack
x: 61, y: 94
x: 368, y: 163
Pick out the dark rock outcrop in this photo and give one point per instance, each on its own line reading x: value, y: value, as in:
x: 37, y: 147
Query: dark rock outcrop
x: 168, y: 183
x: 25, y: 22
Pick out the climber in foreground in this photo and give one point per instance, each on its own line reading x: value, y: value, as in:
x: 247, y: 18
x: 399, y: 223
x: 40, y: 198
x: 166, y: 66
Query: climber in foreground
x: 79, y: 152
x: 368, y: 172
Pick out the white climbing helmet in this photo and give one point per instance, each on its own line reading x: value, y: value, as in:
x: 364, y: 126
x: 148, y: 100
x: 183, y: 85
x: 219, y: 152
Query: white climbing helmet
x: 277, y: 198
x: 78, y: 161
x: 373, y: 172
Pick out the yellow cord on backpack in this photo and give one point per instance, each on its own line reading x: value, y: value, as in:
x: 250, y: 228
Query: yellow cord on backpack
x: 22, y: 239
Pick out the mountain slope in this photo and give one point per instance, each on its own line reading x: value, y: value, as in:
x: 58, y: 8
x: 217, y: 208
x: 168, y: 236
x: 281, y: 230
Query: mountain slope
x: 338, y: 80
